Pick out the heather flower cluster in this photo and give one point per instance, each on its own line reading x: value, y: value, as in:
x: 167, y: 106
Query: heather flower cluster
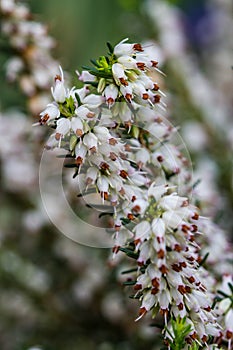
x: 122, y: 148
x: 126, y: 153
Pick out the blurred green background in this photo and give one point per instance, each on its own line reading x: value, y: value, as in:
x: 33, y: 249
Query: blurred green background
x: 83, y: 27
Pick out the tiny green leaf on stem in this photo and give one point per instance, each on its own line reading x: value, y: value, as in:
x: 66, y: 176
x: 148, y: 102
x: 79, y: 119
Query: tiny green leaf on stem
x: 231, y: 287
x: 104, y: 214
x: 216, y: 300
x: 223, y: 294
x: 204, y: 259
x: 100, y: 74
x: 71, y: 165
x: 129, y: 283
x: 89, y: 191
x: 64, y: 156
x: 95, y: 63
x: 125, y: 221
x: 129, y: 253
x: 129, y: 271
x: 92, y: 83
x: 78, y: 99
x: 110, y: 47
x: 196, y: 183
x: 76, y: 173
x: 135, y: 296
x: 100, y: 207
x: 180, y: 331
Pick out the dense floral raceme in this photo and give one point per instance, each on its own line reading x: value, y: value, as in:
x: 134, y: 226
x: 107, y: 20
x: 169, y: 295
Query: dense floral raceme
x: 132, y: 158
x: 124, y: 149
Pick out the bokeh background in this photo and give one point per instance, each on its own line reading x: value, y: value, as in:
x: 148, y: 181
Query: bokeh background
x: 56, y: 294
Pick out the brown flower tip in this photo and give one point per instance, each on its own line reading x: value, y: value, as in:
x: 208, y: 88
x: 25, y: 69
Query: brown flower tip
x: 128, y: 97
x: 104, y: 195
x: 177, y: 248
x: 123, y: 174
x: 180, y: 306
x: 44, y: 119
x: 136, y: 209
x: 112, y: 141
x: 157, y: 98
x: 137, y: 241
x: 58, y: 77
x: 141, y: 65
x: 137, y: 287
x: 160, y: 254
x: 110, y: 101
x: 130, y: 216
x: 115, y: 249
x: 193, y: 335
x: 123, y: 81
x: 79, y: 132
x: 188, y: 289
x: 204, y: 338
x: 142, y: 311
x: 104, y: 166
x: 138, y: 47
x: 176, y: 267
x: 90, y: 115
x: 113, y: 156
x: 191, y: 279
x: 195, y: 216
x: 57, y: 136
x: 154, y: 291
x: 194, y: 228
x: 163, y: 269
x: 145, y: 96
x: 160, y: 159
x: 154, y: 63
x: 181, y: 289
x: 229, y: 334
x: 155, y: 282
x: 163, y: 312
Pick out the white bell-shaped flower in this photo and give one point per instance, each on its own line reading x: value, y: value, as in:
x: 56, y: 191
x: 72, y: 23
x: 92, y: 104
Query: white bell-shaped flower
x: 119, y: 74
x: 111, y: 93
x: 157, y: 191
x: 127, y: 62
x: 85, y: 76
x: 51, y: 110
x: 158, y: 227
x: 148, y: 301
x: 77, y: 126
x: 124, y: 48
x: 83, y: 112
x: 91, y: 175
x: 63, y: 126
x: 103, y: 184
x: 59, y: 91
x: 90, y: 140
x: 102, y: 133
x: 80, y: 153
x: 172, y: 202
x: 93, y: 101
x: 142, y: 230
x: 171, y: 219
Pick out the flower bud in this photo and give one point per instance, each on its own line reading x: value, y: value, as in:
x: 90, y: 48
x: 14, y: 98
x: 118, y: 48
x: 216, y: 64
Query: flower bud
x: 59, y: 91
